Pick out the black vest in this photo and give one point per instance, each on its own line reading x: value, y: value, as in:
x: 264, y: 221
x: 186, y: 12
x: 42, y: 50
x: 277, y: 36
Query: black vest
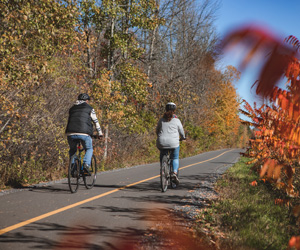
x: 80, y: 120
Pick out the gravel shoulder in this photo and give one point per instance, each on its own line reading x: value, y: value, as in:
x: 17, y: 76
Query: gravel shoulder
x: 177, y: 230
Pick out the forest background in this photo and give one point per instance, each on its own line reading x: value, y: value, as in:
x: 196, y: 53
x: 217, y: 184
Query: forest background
x: 131, y: 57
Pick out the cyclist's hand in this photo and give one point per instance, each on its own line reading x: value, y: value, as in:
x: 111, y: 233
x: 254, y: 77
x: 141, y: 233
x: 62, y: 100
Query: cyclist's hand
x: 97, y: 136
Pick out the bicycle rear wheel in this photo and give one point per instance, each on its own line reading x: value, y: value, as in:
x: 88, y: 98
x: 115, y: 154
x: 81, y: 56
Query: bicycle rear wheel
x: 89, y: 181
x: 73, y: 174
x: 164, y: 174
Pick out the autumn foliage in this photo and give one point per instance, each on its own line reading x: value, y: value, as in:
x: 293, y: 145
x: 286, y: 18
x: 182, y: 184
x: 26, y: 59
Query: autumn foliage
x: 275, y: 147
x: 222, y: 116
x: 114, y: 50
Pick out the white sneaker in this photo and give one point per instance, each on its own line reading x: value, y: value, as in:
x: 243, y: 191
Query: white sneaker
x: 86, y: 169
x: 175, y: 178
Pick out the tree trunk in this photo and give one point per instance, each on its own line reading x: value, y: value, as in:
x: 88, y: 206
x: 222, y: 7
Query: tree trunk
x: 105, y: 142
x: 88, y: 51
x: 110, y: 65
x: 152, y: 43
x: 151, y: 51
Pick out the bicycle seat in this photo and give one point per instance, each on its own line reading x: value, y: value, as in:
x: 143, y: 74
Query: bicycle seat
x: 168, y: 150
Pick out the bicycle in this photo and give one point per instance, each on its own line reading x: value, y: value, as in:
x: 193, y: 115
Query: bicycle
x: 75, y: 170
x: 166, y: 170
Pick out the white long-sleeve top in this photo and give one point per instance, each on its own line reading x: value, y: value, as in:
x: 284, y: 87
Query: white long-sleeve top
x: 169, y: 133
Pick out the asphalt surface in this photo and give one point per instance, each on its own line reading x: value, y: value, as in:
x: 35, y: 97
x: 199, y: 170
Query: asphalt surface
x: 122, y: 205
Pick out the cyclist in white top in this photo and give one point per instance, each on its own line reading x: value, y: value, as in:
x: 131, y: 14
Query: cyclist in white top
x: 169, y: 131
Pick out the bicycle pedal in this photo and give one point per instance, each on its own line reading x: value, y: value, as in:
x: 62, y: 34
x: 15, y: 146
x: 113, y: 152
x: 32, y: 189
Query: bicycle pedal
x: 85, y: 173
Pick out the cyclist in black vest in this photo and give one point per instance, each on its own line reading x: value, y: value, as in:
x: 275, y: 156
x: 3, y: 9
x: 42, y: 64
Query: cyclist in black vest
x: 80, y: 126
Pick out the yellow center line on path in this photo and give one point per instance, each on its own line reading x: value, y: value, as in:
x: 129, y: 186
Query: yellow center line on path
x: 205, y: 160
x: 43, y: 216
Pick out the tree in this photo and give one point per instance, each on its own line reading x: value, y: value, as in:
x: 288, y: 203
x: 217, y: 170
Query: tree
x: 222, y: 105
x: 32, y: 33
x: 183, y: 42
x: 110, y: 28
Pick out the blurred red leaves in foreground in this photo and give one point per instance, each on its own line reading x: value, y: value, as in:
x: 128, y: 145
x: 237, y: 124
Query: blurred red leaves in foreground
x: 166, y: 231
x: 259, y: 40
x: 275, y: 146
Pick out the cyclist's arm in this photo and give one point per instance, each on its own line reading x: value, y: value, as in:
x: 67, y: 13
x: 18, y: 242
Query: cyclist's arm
x: 95, y: 121
x: 181, y: 131
x: 158, y: 127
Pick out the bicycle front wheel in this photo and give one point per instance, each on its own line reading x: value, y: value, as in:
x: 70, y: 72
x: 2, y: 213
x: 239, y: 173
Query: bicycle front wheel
x: 164, y: 174
x: 73, y: 174
x: 89, y: 181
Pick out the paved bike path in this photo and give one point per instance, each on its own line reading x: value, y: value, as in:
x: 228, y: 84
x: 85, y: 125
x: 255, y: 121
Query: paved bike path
x: 122, y: 203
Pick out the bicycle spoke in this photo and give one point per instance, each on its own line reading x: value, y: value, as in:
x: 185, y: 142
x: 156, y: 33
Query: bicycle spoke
x: 89, y: 181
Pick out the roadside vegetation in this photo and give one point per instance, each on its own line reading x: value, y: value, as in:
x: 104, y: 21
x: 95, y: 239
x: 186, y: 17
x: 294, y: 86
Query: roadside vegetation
x: 242, y: 212
x: 131, y: 57
x: 248, y: 214
x: 275, y: 146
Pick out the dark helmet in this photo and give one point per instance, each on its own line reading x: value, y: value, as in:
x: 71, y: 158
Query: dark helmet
x: 84, y: 97
x: 170, y: 106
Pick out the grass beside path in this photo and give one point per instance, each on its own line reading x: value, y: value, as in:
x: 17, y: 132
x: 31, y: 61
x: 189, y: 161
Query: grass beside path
x: 246, y: 216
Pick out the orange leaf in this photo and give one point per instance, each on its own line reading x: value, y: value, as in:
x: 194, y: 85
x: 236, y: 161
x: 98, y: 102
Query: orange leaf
x: 296, y: 211
x: 296, y: 113
x: 291, y: 108
x: 277, y: 172
x: 282, y: 202
x: 295, y: 242
x: 264, y: 169
x: 268, y: 168
x: 284, y: 102
x: 278, y: 201
x: 280, y: 185
x: 271, y: 168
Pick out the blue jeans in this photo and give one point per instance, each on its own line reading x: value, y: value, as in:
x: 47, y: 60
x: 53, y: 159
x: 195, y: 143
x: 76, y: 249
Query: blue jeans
x: 174, y: 157
x: 87, y: 144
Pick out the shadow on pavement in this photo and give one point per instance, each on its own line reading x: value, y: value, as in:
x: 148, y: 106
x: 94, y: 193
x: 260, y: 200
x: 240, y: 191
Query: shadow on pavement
x: 83, y: 236
x: 86, y: 235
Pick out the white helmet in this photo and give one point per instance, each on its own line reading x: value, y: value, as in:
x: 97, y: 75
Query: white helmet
x: 170, y: 106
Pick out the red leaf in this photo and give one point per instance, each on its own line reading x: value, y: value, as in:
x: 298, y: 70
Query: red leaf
x: 259, y: 39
